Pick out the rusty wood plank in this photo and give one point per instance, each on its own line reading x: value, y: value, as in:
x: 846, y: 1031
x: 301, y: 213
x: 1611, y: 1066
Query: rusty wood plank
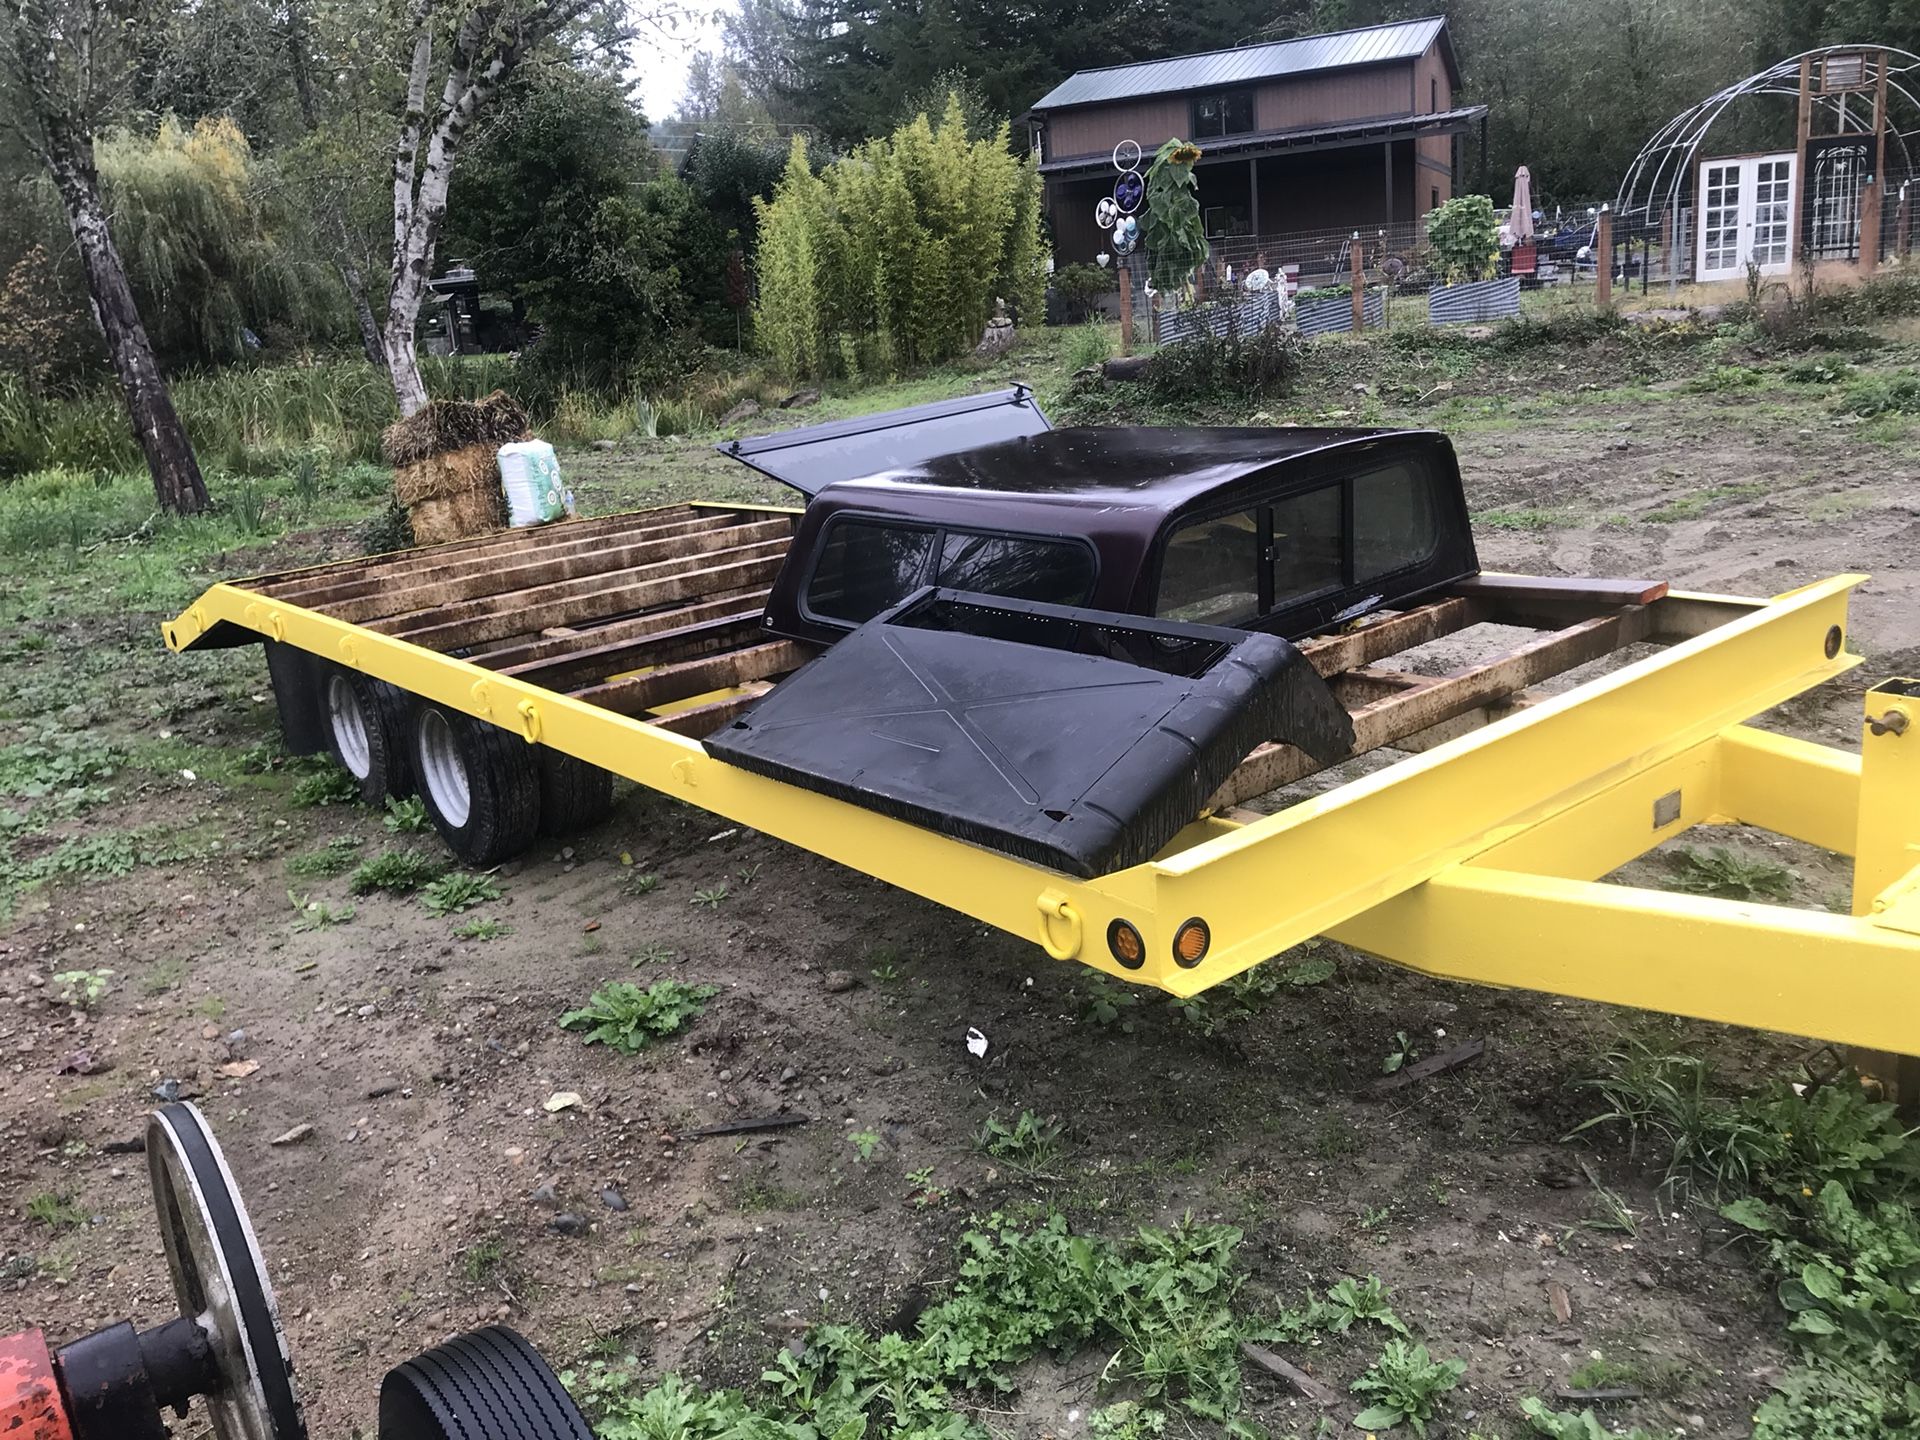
x: 663, y: 586
x: 1331, y: 654
x: 637, y: 693
x: 1292, y: 1374
x: 498, y: 542
x: 1478, y: 718
x: 679, y: 634
x: 555, y: 643
x: 703, y: 720
x: 1579, y: 589
x: 1410, y: 711
x: 1365, y: 685
x: 603, y: 559
x: 573, y: 602
x: 1433, y: 1065
x: 378, y: 579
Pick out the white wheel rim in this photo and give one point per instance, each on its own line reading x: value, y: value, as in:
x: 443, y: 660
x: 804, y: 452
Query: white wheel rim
x: 444, y: 769
x: 349, y: 727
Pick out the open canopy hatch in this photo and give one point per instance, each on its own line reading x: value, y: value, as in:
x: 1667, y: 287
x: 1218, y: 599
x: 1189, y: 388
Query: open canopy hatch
x: 1077, y: 739
x: 815, y: 456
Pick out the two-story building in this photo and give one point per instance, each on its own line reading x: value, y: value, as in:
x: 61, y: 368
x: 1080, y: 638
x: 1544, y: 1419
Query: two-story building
x: 1356, y: 130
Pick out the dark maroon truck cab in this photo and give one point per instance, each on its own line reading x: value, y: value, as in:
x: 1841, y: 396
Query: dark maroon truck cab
x: 1282, y: 530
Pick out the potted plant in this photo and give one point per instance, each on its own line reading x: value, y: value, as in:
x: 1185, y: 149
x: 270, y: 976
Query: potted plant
x: 1465, y: 240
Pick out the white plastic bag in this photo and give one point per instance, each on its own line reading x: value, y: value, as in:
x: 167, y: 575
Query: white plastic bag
x: 530, y: 476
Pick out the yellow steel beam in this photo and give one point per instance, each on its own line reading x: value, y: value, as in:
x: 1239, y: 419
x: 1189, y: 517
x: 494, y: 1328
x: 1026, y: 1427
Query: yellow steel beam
x: 1805, y: 972
x: 1261, y: 887
x: 1887, y: 842
x: 1791, y: 787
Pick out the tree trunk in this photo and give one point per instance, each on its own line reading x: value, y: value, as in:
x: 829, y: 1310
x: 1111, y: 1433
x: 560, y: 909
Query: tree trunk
x: 403, y: 360
x: 177, y: 483
x: 356, y: 284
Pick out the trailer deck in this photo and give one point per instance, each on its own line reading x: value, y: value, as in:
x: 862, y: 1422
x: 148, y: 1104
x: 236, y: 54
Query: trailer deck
x: 1476, y: 854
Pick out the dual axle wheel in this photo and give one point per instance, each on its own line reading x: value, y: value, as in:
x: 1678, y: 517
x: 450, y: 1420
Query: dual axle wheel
x: 488, y: 793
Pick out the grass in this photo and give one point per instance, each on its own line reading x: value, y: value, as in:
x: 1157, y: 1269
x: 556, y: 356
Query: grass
x: 627, y: 1018
x: 336, y: 857
x: 397, y: 872
x: 56, y: 1212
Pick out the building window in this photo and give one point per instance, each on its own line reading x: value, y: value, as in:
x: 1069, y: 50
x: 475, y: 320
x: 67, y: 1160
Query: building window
x: 1230, y: 113
x: 1224, y: 220
x: 1433, y: 197
x: 1433, y: 93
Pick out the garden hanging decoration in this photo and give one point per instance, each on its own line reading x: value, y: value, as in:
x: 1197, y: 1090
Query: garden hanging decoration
x: 1115, y: 213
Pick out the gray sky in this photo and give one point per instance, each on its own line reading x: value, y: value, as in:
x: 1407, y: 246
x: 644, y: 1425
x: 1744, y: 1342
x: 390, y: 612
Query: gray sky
x: 660, y: 59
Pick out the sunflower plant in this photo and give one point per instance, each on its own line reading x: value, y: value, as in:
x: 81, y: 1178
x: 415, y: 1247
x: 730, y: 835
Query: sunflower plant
x: 1175, y: 233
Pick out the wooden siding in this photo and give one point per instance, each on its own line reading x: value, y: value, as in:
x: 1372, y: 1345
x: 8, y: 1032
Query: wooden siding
x: 1370, y: 93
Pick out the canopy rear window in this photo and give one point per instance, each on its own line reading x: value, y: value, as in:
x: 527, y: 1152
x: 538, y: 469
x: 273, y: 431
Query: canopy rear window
x: 867, y: 565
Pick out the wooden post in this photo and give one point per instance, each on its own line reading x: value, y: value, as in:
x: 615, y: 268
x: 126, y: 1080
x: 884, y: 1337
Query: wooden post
x: 1666, y: 248
x: 1802, y: 130
x: 1126, y: 306
x: 1359, y: 285
x: 1870, y: 226
x: 1903, y: 222
x: 1603, y: 259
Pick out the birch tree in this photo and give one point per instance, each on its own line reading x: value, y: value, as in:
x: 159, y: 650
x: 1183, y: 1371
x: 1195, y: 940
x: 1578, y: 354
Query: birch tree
x: 60, y: 56
x: 487, y: 42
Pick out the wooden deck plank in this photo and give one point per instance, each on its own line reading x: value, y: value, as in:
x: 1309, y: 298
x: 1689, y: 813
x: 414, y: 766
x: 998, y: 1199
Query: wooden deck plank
x: 1349, y: 649
x: 603, y: 560
x: 1417, y: 709
x: 660, y: 585
x: 497, y: 541
x: 636, y: 694
x: 681, y: 633
x: 331, y: 589
x: 703, y: 720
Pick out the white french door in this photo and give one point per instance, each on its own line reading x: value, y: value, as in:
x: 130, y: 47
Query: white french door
x: 1746, y: 213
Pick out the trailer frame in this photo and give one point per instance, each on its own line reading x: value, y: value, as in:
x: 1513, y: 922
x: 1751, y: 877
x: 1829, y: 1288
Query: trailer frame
x: 1479, y: 857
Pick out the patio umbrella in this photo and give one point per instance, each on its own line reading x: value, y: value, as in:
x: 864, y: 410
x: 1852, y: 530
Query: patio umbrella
x: 1521, y: 223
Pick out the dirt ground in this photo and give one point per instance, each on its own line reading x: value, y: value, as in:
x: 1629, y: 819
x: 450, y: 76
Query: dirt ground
x: 423, y: 1062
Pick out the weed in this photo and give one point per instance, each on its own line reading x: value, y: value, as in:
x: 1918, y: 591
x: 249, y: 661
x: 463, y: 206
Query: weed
x: 481, y: 1261
x: 1374, y: 1216
x: 886, y: 972
x: 1567, y: 1425
x: 1348, y: 1302
x: 1029, y: 1144
x: 83, y: 989
x: 1108, y: 1002
x: 641, y: 883
x: 406, y: 815
x: 328, y: 786
x: 316, y: 914
x: 864, y: 1143
x: 652, y: 955
x: 1726, y: 872
x: 622, y: 1015
x: 56, y: 1212
x: 458, y: 891
x: 1087, y: 345
x: 1399, y: 1054
x: 1127, y: 1420
x: 1724, y: 378
x: 1404, y: 1385
x: 397, y: 872
x: 333, y: 858
x: 1818, y: 370
x: 747, y: 874
x: 711, y: 898
x: 1870, y: 395
x: 479, y: 929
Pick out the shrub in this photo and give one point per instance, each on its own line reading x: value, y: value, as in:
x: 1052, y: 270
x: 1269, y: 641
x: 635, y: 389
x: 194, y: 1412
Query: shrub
x: 1895, y: 394
x: 1087, y: 345
x: 1225, y: 367
x: 1465, y: 238
x: 902, y: 247
x: 1077, y: 287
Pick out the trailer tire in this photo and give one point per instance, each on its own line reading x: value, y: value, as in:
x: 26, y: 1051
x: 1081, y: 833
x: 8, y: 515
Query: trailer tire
x: 480, y: 784
x: 574, y: 796
x: 367, y: 727
x: 294, y: 675
x: 484, y: 1385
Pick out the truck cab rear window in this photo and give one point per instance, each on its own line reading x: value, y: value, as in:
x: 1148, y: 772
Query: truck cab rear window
x: 1232, y: 569
x: 867, y: 565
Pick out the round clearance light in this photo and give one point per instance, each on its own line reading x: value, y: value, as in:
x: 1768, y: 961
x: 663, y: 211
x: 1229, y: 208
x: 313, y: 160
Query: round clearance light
x: 1190, y: 942
x: 1127, y: 946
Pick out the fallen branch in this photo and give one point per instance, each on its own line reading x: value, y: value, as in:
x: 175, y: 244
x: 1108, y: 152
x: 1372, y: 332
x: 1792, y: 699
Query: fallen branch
x: 1432, y: 1065
x: 1293, y: 1375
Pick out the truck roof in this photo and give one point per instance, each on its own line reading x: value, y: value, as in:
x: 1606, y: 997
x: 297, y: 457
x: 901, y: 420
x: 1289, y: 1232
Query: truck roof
x: 1154, y: 472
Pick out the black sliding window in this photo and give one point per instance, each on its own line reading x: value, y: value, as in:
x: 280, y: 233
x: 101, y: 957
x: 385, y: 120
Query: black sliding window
x: 1228, y: 113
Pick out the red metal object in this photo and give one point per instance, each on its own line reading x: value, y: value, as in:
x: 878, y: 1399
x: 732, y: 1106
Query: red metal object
x: 30, y: 1403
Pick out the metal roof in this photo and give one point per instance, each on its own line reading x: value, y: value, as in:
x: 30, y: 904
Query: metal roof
x: 1371, y: 45
x: 1305, y: 137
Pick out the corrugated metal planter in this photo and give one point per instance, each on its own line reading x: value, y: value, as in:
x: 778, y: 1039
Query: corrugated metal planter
x: 1333, y: 314
x: 1476, y: 300
x: 1248, y: 316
